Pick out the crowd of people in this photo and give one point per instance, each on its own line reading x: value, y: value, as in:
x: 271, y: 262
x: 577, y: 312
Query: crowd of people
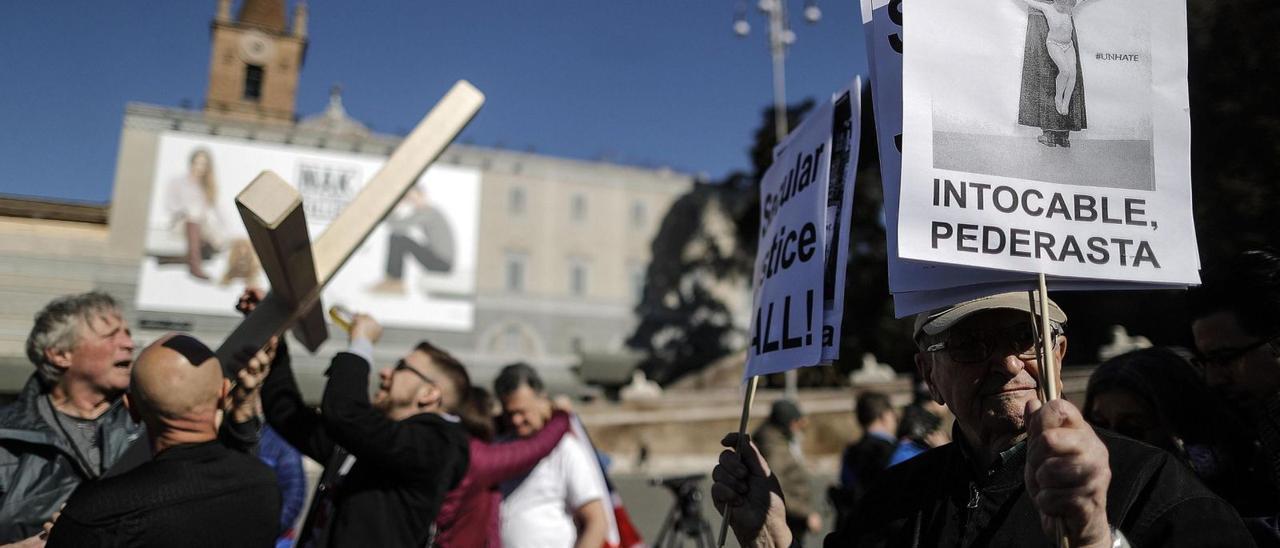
x: 173, y: 447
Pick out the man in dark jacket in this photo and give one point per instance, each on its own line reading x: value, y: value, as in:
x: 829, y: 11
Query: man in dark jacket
x: 864, y: 460
x: 389, y: 461
x: 1017, y: 467
x: 195, y: 491
x: 779, y: 443
x: 68, y: 424
x: 1236, y: 325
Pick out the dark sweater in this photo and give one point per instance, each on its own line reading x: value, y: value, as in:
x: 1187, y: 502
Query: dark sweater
x: 402, y: 469
x: 190, y: 495
x: 936, y: 499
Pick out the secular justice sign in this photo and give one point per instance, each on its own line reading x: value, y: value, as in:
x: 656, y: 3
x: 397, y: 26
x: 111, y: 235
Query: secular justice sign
x: 804, y: 224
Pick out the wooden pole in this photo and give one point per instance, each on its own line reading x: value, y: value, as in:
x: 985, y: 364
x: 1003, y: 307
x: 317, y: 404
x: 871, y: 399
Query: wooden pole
x: 1048, y: 378
x: 742, y: 434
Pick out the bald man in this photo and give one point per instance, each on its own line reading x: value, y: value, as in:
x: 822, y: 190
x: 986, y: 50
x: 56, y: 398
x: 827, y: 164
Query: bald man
x: 195, y: 491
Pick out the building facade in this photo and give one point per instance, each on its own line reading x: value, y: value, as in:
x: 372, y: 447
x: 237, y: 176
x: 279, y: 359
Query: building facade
x: 546, y: 259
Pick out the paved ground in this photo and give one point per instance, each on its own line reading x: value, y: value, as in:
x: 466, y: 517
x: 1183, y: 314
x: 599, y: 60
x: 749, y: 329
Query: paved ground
x: 1114, y: 164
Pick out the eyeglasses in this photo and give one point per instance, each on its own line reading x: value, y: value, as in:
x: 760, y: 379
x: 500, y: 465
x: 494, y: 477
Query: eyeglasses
x: 403, y: 366
x: 979, y: 346
x: 1228, y: 356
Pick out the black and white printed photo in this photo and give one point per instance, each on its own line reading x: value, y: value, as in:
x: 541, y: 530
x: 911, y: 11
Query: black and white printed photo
x: 1046, y: 90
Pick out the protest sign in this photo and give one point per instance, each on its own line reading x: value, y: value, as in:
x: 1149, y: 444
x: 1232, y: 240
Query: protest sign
x: 1002, y: 168
x: 882, y: 23
x: 845, y: 135
x: 789, y: 274
x: 919, y: 286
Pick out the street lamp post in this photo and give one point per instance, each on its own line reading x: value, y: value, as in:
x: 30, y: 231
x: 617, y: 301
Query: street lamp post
x: 780, y: 37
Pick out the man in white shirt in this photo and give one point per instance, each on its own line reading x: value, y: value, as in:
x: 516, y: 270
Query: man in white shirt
x: 561, y: 501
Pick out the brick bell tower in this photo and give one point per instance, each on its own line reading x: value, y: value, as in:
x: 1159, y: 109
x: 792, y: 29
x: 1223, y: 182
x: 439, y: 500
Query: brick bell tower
x: 255, y: 61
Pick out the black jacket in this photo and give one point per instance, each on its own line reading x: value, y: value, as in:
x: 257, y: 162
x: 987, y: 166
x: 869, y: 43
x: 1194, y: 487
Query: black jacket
x: 860, y: 466
x: 194, y: 495
x: 402, y: 470
x: 863, y: 462
x: 935, y: 499
x: 38, y: 467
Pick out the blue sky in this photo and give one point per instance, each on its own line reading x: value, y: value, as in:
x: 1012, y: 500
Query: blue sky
x: 646, y: 82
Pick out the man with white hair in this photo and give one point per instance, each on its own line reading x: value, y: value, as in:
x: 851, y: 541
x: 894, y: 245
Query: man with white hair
x: 68, y: 424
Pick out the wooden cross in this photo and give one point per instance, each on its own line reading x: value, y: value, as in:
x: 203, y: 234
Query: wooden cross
x: 298, y: 271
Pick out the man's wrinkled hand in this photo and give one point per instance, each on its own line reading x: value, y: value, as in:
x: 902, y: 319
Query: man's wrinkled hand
x: 744, y: 484
x: 1067, y: 473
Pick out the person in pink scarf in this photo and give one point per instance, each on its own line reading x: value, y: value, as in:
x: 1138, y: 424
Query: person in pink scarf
x: 469, y: 514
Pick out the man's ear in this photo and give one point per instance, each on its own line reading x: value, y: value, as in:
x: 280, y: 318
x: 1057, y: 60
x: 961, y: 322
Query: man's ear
x: 224, y: 394
x: 132, y: 407
x: 1061, y: 349
x: 58, y: 357
x: 924, y: 366
x: 430, y: 395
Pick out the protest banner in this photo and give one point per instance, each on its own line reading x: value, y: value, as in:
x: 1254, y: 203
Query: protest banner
x: 845, y: 136
x: 800, y: 269
x: 882, y: 23
x: 789, y: 273
x: 810, y: 184
x: 920, y: 286
x: 1008, y: 173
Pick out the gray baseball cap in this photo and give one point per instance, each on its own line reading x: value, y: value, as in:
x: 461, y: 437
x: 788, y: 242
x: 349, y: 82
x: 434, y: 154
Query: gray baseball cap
x: 942, y: 319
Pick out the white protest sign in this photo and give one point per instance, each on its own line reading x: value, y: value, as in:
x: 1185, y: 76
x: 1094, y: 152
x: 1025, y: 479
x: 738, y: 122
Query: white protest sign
x: 1007, y: 166
x: 882, y: 24
x: 920, y: 286
x: 789, y: 274
x: 845, y: 135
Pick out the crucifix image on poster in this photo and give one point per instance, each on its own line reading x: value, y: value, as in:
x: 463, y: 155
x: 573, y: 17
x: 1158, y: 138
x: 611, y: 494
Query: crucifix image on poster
x: 1052, y: 94
x: 1058, y: 91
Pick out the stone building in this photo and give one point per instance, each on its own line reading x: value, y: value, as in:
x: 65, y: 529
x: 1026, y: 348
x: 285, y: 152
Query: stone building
x: 552, y: 271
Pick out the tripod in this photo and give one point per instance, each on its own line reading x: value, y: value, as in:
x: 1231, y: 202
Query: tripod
x: 684, y: 521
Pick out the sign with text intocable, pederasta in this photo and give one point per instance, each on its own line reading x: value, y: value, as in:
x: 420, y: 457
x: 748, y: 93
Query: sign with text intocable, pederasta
x: 786, y: 327
x: 1058, y: 143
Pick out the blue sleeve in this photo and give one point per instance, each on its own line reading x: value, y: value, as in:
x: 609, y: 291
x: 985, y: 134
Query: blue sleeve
x: 286, y: 462
x: 293, y: 486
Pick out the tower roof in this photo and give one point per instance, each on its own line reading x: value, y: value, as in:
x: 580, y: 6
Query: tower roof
x: 264, y: 14
x: 335, y: 120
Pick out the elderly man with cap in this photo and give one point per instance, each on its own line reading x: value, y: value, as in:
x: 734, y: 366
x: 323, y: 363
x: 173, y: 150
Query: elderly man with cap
x: 1017, y: 466
x: 195, y: 491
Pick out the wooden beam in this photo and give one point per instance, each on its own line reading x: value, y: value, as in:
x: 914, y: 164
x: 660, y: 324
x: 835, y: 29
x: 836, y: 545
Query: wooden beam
x: 277, y: 225
x: 345, y: 234
x: 297, y: 301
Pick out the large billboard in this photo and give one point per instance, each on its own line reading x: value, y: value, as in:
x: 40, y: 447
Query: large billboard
x: 417, y: 269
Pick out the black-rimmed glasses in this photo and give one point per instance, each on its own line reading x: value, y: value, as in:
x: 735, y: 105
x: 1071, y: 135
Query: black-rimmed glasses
x: 1227, y: 356
x: 404, y: 366
x: 979, y: 346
